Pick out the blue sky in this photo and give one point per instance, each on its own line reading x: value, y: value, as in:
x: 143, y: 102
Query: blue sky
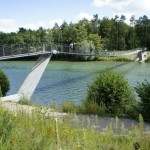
x: 35, y: 13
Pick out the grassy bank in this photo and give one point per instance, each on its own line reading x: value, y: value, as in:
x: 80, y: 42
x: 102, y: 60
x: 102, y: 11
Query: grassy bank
x: 36, y: 132
x: 119, y: 58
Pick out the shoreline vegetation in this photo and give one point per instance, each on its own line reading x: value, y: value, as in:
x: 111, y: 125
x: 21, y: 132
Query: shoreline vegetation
x: 43, y: 128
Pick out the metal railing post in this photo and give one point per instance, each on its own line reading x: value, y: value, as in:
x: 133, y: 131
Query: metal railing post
x: 43, y: 47
x: 61, y: 48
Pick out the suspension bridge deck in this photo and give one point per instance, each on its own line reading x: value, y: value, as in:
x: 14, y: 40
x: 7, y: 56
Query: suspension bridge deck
x: 27, y: 50
x: 13, y: 51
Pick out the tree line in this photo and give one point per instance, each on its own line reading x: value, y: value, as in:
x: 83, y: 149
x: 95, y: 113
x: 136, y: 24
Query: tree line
x: 107, y: 33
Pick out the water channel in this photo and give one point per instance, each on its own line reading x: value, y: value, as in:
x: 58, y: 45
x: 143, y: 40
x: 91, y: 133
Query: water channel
x: 64, y: 80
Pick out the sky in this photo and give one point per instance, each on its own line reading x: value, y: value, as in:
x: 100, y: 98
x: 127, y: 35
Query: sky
x: 32, y: 14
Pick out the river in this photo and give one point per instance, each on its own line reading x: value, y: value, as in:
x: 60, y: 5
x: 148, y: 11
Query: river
x: 64, y: 80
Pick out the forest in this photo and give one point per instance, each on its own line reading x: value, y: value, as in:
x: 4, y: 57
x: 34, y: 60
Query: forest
x: 107, y: 33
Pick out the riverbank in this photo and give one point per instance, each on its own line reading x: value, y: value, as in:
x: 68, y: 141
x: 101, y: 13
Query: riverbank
x: 30, y: 127
x: 100, y: 123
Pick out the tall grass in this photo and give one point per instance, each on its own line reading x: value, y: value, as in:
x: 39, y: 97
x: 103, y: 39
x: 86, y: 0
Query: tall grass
x: 36, y: 132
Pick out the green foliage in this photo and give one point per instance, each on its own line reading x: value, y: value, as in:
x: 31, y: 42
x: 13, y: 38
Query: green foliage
x: 119, y: 58
x: 7, y: 125
x: 148, y: 60
x: 0, y: 92
x: 25, y: 132
x: 91, y: 107
x: 109, y: 33
x: 69, y: 107
x: 143, y: 91
x: 25, y: 101
x: 122, y: 58
x: 111, y: 89
x: 4, y: 83
x: 96, y: 40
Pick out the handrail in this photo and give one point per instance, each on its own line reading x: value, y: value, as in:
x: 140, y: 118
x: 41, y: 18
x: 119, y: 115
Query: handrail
x: 17, y: 49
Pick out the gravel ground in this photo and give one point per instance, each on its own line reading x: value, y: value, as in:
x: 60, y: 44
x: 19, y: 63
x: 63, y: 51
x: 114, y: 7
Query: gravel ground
x: 98, y: 123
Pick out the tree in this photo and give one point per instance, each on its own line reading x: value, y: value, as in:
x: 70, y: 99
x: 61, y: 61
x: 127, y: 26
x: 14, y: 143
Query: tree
x: 107, y: 33
x: 142, y: 30
x: 131, y: 33
x: 96, y: 24
x: 96, y: 40
x: 4, y: 83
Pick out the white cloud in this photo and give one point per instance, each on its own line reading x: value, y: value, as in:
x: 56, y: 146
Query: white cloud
x: 58, y: 21
x: 136, y: 7
x: 35, y: 26
x: 8, y: 25
x: 114, y: 4
x: 7, y: 22
x: 83, y: 15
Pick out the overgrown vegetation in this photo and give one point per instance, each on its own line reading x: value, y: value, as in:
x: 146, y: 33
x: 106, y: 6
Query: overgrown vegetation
x: 35, y: 132
x: 4, y: 83
x: 25, y: 101
x: 143, y: 91
x: 148, y: 60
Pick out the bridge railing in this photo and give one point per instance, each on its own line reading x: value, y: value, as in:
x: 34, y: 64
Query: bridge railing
x: 117, y: 53
x: 16, y: 49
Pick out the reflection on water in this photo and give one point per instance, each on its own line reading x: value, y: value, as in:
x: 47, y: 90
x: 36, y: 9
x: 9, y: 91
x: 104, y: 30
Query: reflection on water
x: 69, y: 80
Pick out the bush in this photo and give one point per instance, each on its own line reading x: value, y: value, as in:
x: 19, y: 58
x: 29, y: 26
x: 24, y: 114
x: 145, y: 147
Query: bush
x: 4, y: 83
x: 148, y: 60
x: 143, y: 91
x: 112, y: 91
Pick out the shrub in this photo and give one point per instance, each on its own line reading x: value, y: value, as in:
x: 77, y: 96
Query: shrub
x: 111, y: 90
x: 143, y: 91
x: 148, y: 60
x: 4, y: 83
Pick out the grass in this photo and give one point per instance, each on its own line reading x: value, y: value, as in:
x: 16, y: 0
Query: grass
x: 119, y: 58
x: 26, y: 132
x: 25, y: 101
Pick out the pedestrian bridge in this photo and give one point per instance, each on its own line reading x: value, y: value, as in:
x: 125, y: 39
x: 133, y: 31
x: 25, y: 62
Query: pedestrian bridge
x: 45, y: 52
x: 13, y: 51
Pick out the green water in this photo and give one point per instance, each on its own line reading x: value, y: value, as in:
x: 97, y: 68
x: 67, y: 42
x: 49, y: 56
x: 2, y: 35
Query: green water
x: 63, y: 81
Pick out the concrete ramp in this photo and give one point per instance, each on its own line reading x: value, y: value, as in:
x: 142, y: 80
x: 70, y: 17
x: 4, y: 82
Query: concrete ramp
x: 28, y: 87
x: 14, y: 98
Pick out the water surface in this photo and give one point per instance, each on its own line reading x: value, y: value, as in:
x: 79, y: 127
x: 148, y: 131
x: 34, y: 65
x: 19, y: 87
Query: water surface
x: 64, y: 80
